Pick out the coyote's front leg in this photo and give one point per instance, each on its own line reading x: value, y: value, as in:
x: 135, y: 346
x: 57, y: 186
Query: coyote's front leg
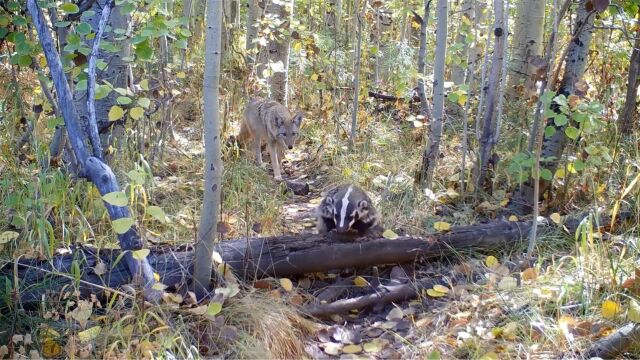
x: 275, y: 162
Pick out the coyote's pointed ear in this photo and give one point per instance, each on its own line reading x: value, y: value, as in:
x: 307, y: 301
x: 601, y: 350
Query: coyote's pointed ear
x: 297, y: 118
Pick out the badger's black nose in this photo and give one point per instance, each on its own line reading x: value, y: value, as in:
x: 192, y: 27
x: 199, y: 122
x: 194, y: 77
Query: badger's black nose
x: 290, y: 147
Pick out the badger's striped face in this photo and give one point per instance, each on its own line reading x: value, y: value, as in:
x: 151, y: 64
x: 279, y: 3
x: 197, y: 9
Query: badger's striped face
x: 347, y: 211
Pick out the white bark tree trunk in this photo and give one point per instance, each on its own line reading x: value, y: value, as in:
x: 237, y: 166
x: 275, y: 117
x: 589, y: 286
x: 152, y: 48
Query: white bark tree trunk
x: 527, y: 43
x: 356, y: 74
x: 278, y: 50
x: 213, y: 162
x: 431, y: 151
x: 468, y: 11
x: 253, y: 15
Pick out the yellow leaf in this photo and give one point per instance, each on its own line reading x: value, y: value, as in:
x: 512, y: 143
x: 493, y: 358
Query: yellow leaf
x: 140, y: 254
x: 490, y: 356
x: 513, y: 218
x: 181, y: 75
x: 156, y: 276
x: 510, y: 331
x: 297, y: 46
x: 122, y: 225
x: 136, y: 113
x: 115, y: 113
x: 214, y: 308
x: 442, y: 226
x: 144, y: 84
x: 359, y: 281
x: 435, y: 293
x: 314, y: 77
x: 89, y: 334
x: 372, y: 347
x: 51, y: 348
x: 389, y: 234
x: 352, y: 349
x: 43, y: 61
x: 560, y: 173
x: 159, y: 286
x: 610, y: 309
x: 555, y: 217
x: 7, y: 236
x: 286, y: 284
x: 504, y: 202
x: 634, y: 311
x: 491, y: 262
x: 441, y: 288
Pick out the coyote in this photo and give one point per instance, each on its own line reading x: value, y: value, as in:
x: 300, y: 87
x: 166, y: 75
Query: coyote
x: 269, y: 121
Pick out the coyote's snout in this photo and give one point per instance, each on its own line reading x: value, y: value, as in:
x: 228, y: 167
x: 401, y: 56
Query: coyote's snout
x: 269, y: 121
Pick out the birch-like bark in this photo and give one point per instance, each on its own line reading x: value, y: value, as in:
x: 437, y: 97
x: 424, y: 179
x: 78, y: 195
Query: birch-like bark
x: 203, y: 262
x: 278, y: 50
x: 431, y: 151
x: 527, y: 42
x: 422, y: 55
x: 468, y: 11
x: 253, y: 15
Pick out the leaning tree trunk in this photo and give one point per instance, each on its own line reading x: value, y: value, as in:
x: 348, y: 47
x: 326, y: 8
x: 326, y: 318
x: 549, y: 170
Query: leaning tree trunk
x: 278, y: 49
x: 213, y: 161
x: 99, y: 173
x: 488, y: 138
x: 254, y: 13
x: 527, y: 43
x: 553, y: 146
x: 432, y: 149
x: 464, y: 30
x: 630, y: 103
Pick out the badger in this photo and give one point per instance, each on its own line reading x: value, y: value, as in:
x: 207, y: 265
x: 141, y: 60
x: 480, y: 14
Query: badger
x: 345, y: 208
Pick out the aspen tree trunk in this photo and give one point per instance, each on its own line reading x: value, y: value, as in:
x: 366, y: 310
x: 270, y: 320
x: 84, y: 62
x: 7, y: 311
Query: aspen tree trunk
x: 278, y: 50
x: 527, y: 42
x: 468, y: 12
x: 213, y: 162
x: 186, y: 13
x: 489, y: 119
x: 431, y: 151
x: 553, y: 146
x: 253, y: 15
x: 356, y: 74
x: 630, y: 103
x: 116, y: 73
x: 422, y: 55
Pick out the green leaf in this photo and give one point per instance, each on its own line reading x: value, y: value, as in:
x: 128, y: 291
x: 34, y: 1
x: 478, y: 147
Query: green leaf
x: 69, y: 8
x: 102, y: 91
x: 560, y: 120
x: 137, y: 176
x: 634, y: 311
x: 546, y: 174
x: 144, y: 51
x: 115, y: 113
x: 3, y: 32
x: 571, y: 132
x: 579, y: 165
x: 23, y: 60
x: 214, y: 308
x: 4, y: 20
x: 83, y: 28
x: 123, y: 100
x: 122, y: 225
x: 116, y: 198
x: 81, y: 85
x: 549, y: 131
x: 136, y: 113
x: 157, y: 213
x: 144, y: 102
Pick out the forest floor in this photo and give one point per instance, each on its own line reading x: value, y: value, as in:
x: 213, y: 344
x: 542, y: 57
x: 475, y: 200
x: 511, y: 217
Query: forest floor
x: 493, y: 307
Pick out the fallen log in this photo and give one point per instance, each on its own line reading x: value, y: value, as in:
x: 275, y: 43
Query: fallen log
x: 279, y: 256
x: 614, y: 345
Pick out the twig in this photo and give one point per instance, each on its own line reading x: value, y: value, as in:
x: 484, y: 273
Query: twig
x: 94, y: 137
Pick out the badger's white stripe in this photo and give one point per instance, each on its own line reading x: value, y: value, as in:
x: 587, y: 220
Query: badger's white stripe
x: 345, y: 203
